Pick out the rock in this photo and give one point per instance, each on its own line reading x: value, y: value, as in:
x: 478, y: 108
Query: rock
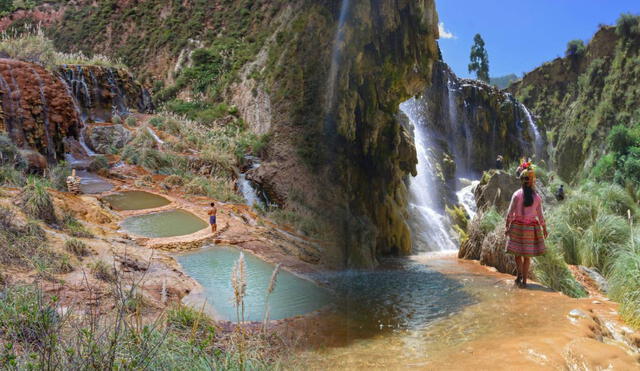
x: 101, y: 138
x: 37, y: 111
x: 577, y: 313
x: 596, y: 277
x: 493, y: 252
x: 35, y: 162
x: 496, y: 189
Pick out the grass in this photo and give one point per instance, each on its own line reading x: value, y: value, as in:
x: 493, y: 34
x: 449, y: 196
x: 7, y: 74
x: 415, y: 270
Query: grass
x: 77, y: 247
x: 32, y: 45
x: 551, y: 270
x: 58, y: 174
x: 72, y: 226
x: 624, y: 280
x: 103, y: 271
x: 36, y: 201
x: 489, y: 220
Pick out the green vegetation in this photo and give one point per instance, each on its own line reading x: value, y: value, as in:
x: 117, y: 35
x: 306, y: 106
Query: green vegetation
x: 502, y: 82
x: 77, y: 247
x: 628, y: 25
x: 33, y: 46
x: 36, y: 201
x: 575, y: 48
x: 479, y: 59
x: 58, y: 176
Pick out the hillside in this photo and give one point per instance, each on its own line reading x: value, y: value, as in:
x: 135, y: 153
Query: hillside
x: 579, y: 98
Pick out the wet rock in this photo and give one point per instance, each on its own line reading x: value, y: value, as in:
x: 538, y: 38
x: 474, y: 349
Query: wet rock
x: 102, y: 138
x: 577, y: 313
x: 496, y: 189
x: 596, y: 277
x: 37, y: 111
x: 34, y: 161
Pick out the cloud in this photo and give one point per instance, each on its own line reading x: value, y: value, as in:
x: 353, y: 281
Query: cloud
x: 444, y: 34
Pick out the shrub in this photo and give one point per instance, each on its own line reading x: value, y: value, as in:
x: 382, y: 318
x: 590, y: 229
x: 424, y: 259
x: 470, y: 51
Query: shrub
x: 131, y: 121
x: 9, y: 153
x: 489, y: 220
x: 72, y: 226
x: 620, y: 139
x: 98, y: 163
x: 58, y: 176
x: 174, y: 180
x: 186, y: 318
x: 116, y: 119
x: 605, y: 168
x: 551, y: 270
x: 77, y: 247
x: 575, y: 48
x: 627, y: 25
x: 103, y: 271
x: 25, y: 317
x: 36, y: 201
x: 603, y: 239
x: 624, y: 280
x: 9, y: 176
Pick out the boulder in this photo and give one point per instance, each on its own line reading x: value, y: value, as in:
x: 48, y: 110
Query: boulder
x: 34, y: 161
x: 496, y: 189
x: 101, y: 138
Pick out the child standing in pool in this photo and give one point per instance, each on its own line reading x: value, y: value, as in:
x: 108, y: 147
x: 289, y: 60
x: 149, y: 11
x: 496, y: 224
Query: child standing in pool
x: 212, y: 217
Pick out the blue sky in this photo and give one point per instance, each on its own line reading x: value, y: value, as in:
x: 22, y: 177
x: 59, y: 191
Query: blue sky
x: 521, y: 34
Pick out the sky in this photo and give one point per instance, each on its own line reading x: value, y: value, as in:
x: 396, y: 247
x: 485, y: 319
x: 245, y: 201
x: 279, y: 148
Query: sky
x: 521, y: 34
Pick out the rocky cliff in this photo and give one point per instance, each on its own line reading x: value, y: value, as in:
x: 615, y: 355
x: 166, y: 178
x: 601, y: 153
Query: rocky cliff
x: 469, y: 123
x: 37, y: 112
x: 41, y: 108
x: 578, y: 98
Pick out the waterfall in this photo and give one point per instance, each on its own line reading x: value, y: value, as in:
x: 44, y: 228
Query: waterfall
x: 247, y: 187
x: 430, y: 227
x: 335, y: 58
x: 45, y: 112
x: 539, y: 141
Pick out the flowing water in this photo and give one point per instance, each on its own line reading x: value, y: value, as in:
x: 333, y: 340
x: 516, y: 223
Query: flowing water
x: 91, y: 183
x: 430, y: 227
x: 539, y: 140
x: 135, y: 200
x: 336, y: 53
x: 292, y: 296
x: 163, y: 224
x: 247, y: 188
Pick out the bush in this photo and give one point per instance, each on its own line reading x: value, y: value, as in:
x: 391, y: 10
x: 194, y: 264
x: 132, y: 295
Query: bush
x: 489, y: 220
x: 575, y: 48
x: 77, y: 247
x: 10, y: 154
x: 103, y: 271
x: 551, y: 270
x: 116, y: 119
x: 627, y: 25
x: 58, y: 176
x: 605, y: 168
x: 624, y: 280
x: 36, y: 201
x: 98, y: 163
x: 603, y: 239
x: 620, y: 139
x: 131, y: 121
x: 25, y: 317
x: 174, y: 180
x: 10, y: 176
x: 72, y: 226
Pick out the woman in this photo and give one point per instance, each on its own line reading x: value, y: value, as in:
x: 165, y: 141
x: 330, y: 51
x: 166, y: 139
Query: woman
x: 525, y: 224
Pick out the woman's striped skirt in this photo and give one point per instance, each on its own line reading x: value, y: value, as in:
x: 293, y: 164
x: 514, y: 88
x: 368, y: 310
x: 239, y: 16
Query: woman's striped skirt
x: 526, y: 239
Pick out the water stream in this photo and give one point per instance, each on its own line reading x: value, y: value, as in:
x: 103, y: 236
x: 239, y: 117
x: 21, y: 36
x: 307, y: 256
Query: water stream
x: 538, y: 139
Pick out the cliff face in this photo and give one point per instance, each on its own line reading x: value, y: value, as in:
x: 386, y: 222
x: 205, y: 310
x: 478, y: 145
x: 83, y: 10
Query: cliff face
x: 323, y: 78
x: 579, y: 98
x: 37, y: 112
x: 468, y: 124
x: 102, y: 91
x: 40, y: 108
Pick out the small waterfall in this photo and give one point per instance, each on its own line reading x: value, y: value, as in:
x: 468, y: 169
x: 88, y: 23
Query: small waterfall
x: 539, y: 141
x: 51, y: 153
x: 466, y: 197
x: 335, y: 59
x: 155, y: 136
x: 247, y: 187
x: 119, y: 98
x: 81, y: 117
x: 430, y: 227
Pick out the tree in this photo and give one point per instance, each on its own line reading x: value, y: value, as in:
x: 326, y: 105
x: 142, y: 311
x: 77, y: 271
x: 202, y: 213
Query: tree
x: 575, y: 48
x: 479, y: 59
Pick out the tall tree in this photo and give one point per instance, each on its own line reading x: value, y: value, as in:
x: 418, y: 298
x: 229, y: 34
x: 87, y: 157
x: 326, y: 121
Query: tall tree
x: 479, y: 59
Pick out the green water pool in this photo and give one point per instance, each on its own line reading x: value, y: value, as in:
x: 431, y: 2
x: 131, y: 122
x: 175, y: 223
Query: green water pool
x: 135, y: 200
x: 212, y: 267
x: 164, y: 224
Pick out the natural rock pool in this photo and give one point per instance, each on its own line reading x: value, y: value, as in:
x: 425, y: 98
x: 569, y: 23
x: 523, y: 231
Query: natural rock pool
x: 135, y: 200
x: 164, y: 224
x: 292, y: 296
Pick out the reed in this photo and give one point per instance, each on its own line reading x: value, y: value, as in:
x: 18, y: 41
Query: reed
x: 272, y: 286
